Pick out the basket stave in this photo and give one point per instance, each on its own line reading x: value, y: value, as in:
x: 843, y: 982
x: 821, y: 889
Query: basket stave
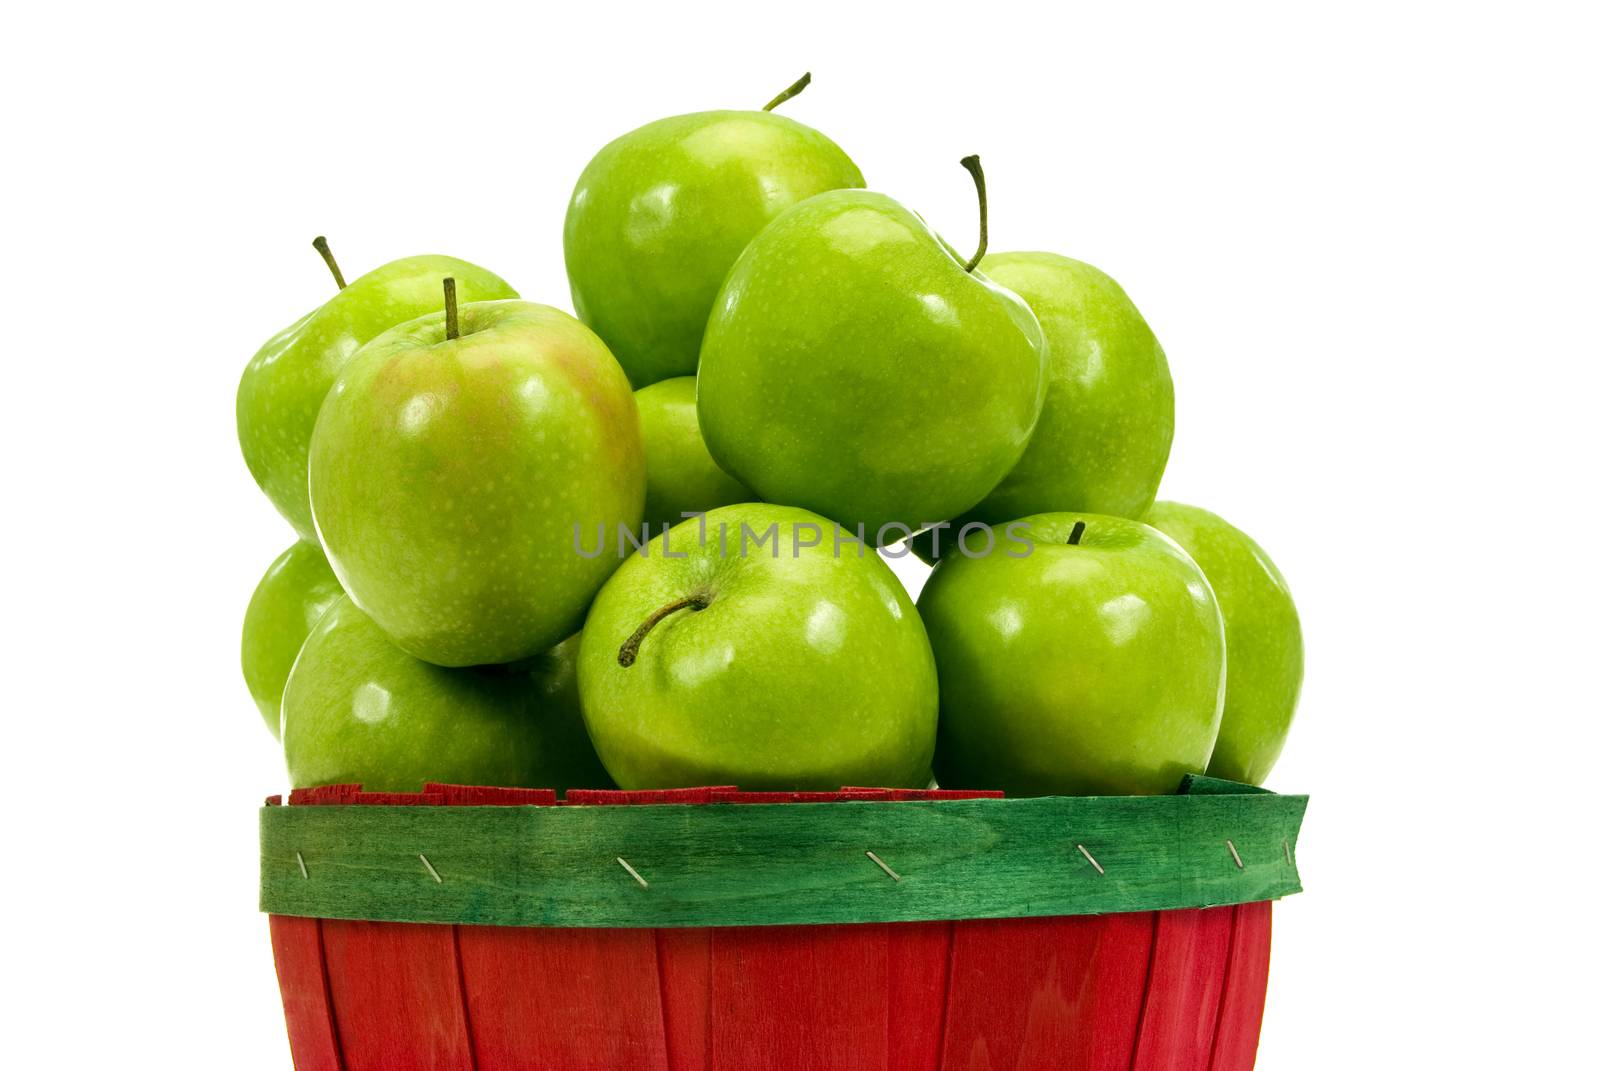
x: 1172, y: 990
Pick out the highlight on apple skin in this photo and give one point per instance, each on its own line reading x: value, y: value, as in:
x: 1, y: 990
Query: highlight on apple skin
x: 854, y: 365
x: 797, y: 668
x: 447, y: 472
x: 660, y: 214
x: 358, y: 710
x: 294, y: 593
x: 283, y: 386
x: 1092, y: 665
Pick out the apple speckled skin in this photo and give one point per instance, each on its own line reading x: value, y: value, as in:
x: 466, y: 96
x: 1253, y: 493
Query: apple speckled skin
x: 294, y: 593
x: 284, y: 384
x: 807, y: 671
x: 447, y: 476
x: 358, y: 710
x: 1106, y: 430
x: 1102, y: 441
x: 1266, y: 654
x: 853, y: 366
x: 660, y: 214
x: 680, y: 475
x: 1088, y: 669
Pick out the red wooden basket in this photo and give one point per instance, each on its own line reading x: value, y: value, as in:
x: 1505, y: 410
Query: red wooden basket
x: 1169, y: 989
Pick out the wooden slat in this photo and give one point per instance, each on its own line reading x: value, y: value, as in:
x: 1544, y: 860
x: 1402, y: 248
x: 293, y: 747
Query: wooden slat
x: 1054, y: 994
x: 683, y: 963
x: 323, y: 794
x: 396, y: 988
x: 297, y: 952
x: 919, y: 976
x: 567, y: 999
x: 396, y: 996
x: 784, y: 864
x: 489, y: 796
x: 1245, y: 997
x: 1188, y: 966
x: 787, y: 997
x: 681, y: 958
x: 843, y: 795
x: 616, y: 797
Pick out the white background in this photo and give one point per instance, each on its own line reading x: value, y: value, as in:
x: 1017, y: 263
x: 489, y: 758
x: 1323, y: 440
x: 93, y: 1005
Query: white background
x: 1367, y: 238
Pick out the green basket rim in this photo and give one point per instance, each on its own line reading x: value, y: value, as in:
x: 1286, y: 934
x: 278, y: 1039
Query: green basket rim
x: 756, y: 864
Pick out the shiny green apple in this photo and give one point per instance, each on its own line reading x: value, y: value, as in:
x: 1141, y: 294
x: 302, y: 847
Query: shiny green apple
x: 358, y: 710
x: 679, y: 475
x: 285, y: 382
x: 1266, y: 656
x: 660, y: 214
x: 1074, y: 660
x: 451, y: 477
x: 1102, y: 440
x: 855, y: 366
x: 297, y: 588
x: 742, y: 649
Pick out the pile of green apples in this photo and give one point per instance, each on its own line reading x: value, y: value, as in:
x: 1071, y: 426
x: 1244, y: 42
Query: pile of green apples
x: 643, y: 546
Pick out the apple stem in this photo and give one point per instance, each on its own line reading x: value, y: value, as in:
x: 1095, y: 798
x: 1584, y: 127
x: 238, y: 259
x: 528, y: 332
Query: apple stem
x: 971, y: 164
x: 793, y: 91
x: 451, y: 328
x: 1077, y: 534
x: 630, y: 646
x: 320, y: 244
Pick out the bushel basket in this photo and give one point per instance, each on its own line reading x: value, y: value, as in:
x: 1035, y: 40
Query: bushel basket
x: 689, y: 930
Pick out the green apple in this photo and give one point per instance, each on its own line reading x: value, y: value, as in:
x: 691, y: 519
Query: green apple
x: 1102, y: 440
x: 285, y: 382
x: 453, y: 467
x: 358, y: 710
x: 294, y: 593
x: 1083, y: 655
x: 679, y: 475
x: 660, y: 214
x: 1266, y: 658
x: 854, y: 365
x: 749, y: 647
